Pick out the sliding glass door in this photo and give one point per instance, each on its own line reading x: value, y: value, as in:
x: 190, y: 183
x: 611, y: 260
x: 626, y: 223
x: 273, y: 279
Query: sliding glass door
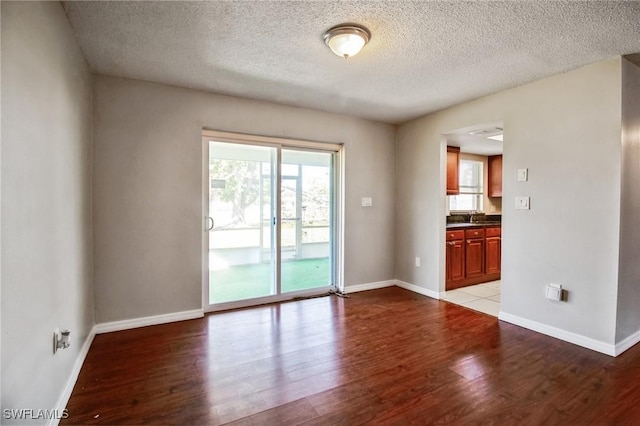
x: 270, y: 222
x: 306, y: 199
x: 241, y: 232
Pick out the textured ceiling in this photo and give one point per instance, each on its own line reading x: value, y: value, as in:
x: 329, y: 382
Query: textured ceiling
x: 474, y: 139
x: 423, y: 56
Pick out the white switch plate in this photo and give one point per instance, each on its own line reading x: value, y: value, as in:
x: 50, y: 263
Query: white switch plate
x: 417, y: 262
x: 523, y: 175
x: 522, y: 203
x: 366, y: 202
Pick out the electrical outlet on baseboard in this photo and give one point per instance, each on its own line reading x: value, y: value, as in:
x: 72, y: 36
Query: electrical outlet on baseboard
x: 554, y: 292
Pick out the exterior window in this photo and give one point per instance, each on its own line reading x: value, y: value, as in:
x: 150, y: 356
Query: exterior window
x: 471, y: 187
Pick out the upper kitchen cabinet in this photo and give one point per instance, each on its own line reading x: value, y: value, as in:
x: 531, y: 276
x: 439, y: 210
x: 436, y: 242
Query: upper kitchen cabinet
x: 453, y: 161
x: 495, y: 176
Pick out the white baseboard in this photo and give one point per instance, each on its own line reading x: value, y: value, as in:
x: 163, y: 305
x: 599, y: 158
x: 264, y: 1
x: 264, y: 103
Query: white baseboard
x: 108, y: 327
x: 567, y: 336
x: 368, y: 286
x: 418, y: 289
x: 63, y: 399
x: 627, y: 343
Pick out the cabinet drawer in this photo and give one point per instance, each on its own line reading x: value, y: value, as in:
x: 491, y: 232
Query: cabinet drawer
x: 474, y: 233
x: 493, y: 232
x: 455, y: 235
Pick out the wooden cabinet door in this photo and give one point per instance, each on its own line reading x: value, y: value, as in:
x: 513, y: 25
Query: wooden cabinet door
x: 474, y: 253
x: 453, y: 160
x: 448, y: 262
x: 495, y: 176
x: 455, y: 260
x: 492, y: 255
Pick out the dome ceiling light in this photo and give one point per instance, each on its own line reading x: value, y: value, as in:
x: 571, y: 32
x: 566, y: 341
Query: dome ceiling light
x: 346, y: 40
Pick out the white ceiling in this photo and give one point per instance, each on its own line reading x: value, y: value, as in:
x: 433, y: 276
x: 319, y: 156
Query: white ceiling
x: 475, y: 139
x: 423, y: 56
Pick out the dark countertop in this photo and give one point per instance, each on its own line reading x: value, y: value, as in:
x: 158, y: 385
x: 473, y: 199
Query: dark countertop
x: 472, y: 225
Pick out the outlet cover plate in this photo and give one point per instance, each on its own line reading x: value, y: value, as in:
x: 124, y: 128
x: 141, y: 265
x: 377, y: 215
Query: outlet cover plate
x: 522, y: 203
x: 554, y: 292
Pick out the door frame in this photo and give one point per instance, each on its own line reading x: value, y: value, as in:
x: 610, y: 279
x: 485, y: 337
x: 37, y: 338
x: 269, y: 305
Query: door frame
x: 298, y: 212
x: 443, y: 211
x: 337, y: 219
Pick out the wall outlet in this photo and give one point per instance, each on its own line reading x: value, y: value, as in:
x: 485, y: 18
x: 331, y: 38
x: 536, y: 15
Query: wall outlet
x: 366, y: 202
x: 417, y: 262
x: 522, y: 203
x: 554, y: 292
x: 56, y: 337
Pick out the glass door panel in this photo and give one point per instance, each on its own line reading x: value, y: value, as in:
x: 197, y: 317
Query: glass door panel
x: 242, y: 206
x: 270, y: 223
x: 307, y: 220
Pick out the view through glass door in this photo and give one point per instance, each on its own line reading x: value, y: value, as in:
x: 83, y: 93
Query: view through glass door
x: 270, y: 222
x: 306, y: 220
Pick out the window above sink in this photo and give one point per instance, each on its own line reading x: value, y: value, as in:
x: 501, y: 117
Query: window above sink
x: 471, y: 187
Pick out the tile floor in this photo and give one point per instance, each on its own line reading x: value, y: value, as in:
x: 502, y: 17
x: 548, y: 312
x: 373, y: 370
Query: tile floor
x: 483, y: 297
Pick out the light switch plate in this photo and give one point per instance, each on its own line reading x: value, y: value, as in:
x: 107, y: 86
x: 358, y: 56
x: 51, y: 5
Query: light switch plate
x: 523, y: 175
x: 366, y: 202
x: 522, y: 203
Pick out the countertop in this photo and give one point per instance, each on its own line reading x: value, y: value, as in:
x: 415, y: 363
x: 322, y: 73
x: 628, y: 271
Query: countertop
x: 472, y: 225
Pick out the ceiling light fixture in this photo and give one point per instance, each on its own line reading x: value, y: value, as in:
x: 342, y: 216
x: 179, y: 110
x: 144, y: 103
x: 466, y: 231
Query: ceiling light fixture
x: 346, y: 40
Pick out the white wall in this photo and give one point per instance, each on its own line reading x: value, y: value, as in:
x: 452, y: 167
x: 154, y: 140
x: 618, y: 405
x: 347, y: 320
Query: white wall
x: 629, y: 286
x: 147, y: 189
x: 566, y: 130
x: 46, y: 202
x: 1, y: 219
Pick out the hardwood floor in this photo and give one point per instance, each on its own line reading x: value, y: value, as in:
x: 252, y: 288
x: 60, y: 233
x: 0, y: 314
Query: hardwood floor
x: 385, y: 356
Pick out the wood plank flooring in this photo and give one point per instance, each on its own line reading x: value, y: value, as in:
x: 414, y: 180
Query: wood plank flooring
x: 385, y: 356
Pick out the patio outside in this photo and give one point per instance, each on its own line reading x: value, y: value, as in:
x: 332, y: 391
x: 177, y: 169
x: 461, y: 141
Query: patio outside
x: 247, y: 281
x: 241, y: 244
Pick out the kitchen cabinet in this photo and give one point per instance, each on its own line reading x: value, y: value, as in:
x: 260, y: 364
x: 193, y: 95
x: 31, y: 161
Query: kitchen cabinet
x: 455, y: 256
x: 453, y: 162
x: 492, y: 250
x: 474, y: 253
x: 495, y: 176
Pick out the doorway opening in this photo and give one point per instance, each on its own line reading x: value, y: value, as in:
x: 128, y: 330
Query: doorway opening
x: 473, y: 205
x: 272, y: 225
